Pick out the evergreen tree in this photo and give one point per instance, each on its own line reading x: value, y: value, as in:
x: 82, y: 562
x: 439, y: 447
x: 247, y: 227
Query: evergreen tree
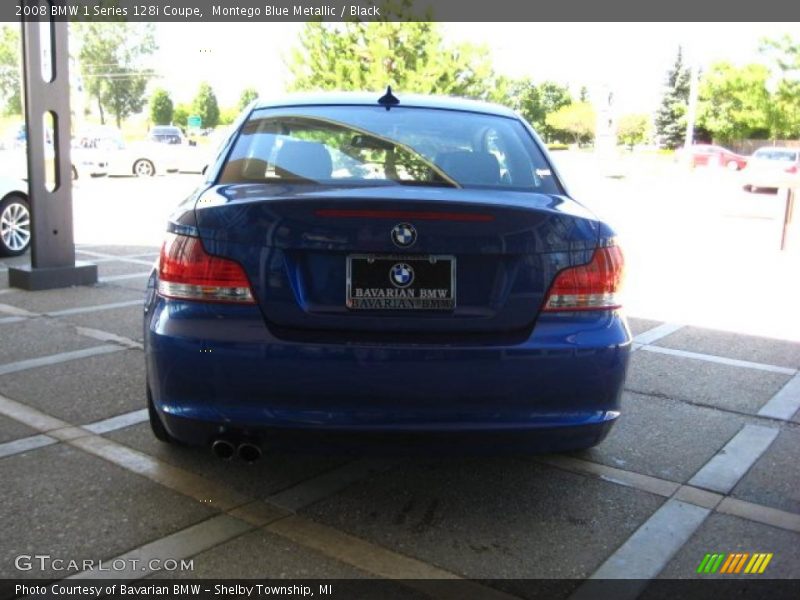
x: 670, y: 118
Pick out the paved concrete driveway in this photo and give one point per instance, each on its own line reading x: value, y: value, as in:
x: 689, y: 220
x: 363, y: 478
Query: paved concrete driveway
x: 704, y: 460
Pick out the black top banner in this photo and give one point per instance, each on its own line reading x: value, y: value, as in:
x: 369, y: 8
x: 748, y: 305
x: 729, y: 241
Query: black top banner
x: 195, y: 11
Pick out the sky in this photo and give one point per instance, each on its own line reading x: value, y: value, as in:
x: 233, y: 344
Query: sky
x: 630, y: 59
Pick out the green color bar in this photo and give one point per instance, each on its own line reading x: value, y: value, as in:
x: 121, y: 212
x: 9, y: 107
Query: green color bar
x: 702, y: 566
x: 713, y: 567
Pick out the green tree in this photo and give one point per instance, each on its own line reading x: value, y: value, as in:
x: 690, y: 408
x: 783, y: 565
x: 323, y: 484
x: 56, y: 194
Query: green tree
x: 161, y: 107
x: 409, y: 56
x: 112, y: 60
x: 734, y: 101
x: 205, y: 104
x: 248, y: 95
x: 633, y: 129
x: 670, y: 121
x: 181, y: 114
x: 578, y: 120
x: 784, y: 107
x: 535, y: 102
x: 10, y: 75
x: 228, y: 115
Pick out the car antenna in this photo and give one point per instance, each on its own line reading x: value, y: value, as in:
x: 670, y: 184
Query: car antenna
x: 388, y: 99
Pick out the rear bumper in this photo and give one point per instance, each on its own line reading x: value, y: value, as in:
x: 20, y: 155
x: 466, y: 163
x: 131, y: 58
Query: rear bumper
x: 404, y: 442
x: 216, y: 370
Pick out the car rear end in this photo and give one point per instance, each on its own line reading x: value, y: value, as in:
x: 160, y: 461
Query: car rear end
x: 455, y: 293
x: 772, y: 168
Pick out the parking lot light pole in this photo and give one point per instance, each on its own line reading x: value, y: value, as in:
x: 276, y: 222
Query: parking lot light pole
x: 46, y: 82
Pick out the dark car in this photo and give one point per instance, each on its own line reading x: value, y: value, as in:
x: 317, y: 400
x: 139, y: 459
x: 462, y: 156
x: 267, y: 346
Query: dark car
x: 387, y: 266
x: 167, y: 134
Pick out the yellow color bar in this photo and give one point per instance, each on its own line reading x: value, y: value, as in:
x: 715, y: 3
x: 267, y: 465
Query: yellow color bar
x: 754, y: 562
x: 765, y: 563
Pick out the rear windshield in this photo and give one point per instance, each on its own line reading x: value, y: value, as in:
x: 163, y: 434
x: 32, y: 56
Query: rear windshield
x: 365, y: 145
x: 781, y: 155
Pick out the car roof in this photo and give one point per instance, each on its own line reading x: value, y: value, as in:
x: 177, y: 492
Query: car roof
x: 371, y: 99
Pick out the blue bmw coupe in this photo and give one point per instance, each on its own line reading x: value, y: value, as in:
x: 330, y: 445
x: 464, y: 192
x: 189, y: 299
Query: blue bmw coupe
x: 384, y: 265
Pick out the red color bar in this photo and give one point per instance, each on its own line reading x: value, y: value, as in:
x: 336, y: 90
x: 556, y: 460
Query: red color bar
x: 401, y: 214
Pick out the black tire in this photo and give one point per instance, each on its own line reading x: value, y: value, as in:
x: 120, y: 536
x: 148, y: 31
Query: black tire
x: 161, y: 433
x: 15, y: 225
x: 144, y: 168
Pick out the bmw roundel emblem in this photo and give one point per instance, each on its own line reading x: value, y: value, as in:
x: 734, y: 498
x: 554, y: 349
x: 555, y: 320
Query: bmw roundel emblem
x: 404, y: 235
x: 401, y: 275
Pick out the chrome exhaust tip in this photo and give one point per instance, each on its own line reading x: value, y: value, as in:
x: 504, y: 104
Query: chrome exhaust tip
x: 248, y: 452
x: 223, y: 449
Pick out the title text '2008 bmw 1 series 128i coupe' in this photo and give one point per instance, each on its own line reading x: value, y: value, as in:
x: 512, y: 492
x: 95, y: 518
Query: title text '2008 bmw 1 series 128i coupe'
x: 385, y: 266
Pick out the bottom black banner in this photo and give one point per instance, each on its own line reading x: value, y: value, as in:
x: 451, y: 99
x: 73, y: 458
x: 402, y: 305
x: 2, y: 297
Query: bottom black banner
x: 488, y: 589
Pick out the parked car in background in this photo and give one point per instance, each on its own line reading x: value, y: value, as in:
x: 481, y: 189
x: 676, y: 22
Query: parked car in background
x: 196, y: 159
x: 772, y: 168
x: 15, y: 217
x: 169, y: 134
x: 14, y: 137
x: 85, y: 163
x: 143, y: 159
x: 415, y: 270
x: 707, y: 155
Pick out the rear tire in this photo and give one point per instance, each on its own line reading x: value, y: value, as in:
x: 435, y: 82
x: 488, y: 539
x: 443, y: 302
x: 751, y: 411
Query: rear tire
x: 161, y: 433
x: 144, y: 168
x: 15, y: 225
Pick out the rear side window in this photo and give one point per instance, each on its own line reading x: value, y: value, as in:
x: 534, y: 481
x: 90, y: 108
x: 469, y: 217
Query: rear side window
x: 779, y: 155
x: 365, y: 145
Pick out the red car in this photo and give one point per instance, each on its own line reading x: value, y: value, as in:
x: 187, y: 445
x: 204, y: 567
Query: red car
x: 715, y: 156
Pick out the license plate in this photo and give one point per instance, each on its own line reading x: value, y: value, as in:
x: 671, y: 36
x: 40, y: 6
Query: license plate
x: 398, y: 282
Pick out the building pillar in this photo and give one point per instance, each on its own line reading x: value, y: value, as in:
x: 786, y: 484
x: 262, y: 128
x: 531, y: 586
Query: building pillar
x: 53, y: 265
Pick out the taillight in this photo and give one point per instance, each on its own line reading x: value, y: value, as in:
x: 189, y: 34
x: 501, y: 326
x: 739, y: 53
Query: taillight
x: 792, y: 169
x: 187, y: 272
x: 593, y: 286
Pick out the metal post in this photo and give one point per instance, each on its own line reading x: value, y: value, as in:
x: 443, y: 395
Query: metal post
x: 788, y: 217
x: 691, y: 111
x: 52, y: 243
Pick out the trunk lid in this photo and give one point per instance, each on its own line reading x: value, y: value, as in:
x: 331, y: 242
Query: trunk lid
x: 294, y: 243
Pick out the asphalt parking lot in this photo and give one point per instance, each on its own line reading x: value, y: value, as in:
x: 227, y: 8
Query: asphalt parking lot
x: 703, y: 460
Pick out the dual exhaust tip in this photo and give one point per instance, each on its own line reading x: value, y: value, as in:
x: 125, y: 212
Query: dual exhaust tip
x: 225, y: 450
